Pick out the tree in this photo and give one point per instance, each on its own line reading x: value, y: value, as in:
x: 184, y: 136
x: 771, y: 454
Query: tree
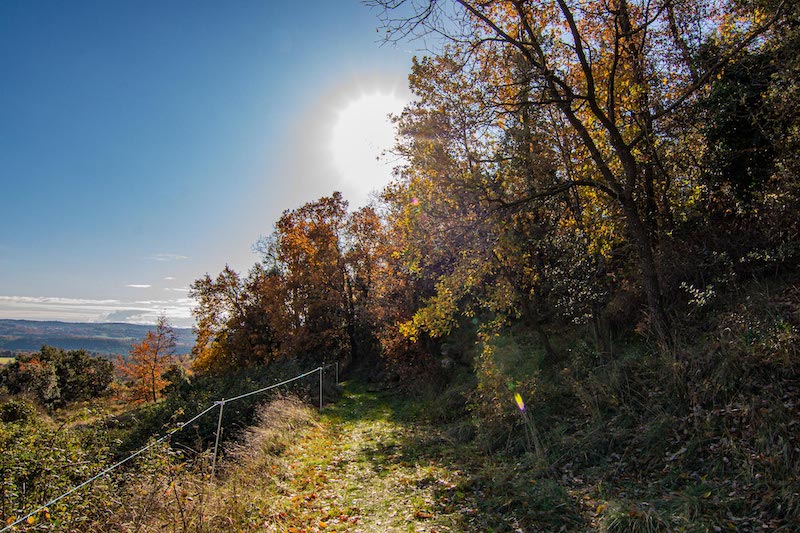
x: 238, y: 319
x: 364, y: 249
x: 467, y: 239
x: 55, y: 376
x: 28, y: 374
x: 306, y: 251
x: 149, y: 360
x: 617, y: 77
x: 80, y: 376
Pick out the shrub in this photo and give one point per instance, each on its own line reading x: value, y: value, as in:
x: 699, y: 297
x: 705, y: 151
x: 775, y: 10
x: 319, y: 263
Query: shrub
x: 17, y: 410
x: 54, y: 376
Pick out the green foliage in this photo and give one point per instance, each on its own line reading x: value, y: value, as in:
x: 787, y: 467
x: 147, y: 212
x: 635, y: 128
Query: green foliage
x: 32, y: 376
x: 39, y: 462
x: 509, y: 365
x: 17, y: 410
x: 177, y: 379
x: 80, y: 376
x: 617, y: 518
x: 137, y: 425
x: 55, y: 377
x: 741, y: 153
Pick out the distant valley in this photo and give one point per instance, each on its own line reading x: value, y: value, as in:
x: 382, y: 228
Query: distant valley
x: 100, y: 338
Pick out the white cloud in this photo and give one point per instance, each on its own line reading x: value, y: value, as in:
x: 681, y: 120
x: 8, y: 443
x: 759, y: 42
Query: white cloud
x: 138, y: 286
x: 178, y: 310
x: 169, y: 278
x: 169, y: 257
x: 54, y: 300
x: 177, y: 289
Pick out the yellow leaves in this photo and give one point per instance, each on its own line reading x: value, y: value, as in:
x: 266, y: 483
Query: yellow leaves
x: 209, y: 359
x: 437, y: 317
x: 409, y: 330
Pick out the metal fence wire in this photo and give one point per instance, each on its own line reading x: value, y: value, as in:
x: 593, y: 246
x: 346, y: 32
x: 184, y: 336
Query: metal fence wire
x: 218, y: 404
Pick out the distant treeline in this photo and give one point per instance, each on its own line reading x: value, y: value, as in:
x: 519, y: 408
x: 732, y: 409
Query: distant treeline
x: 114, y: 338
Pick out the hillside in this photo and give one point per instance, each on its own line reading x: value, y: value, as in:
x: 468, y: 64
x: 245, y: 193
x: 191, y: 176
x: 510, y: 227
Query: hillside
x: 367, y: 463
x: 99, y: 338
x: 378, y: 461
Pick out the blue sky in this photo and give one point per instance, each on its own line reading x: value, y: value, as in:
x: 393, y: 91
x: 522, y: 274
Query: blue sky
x: 145, y: 143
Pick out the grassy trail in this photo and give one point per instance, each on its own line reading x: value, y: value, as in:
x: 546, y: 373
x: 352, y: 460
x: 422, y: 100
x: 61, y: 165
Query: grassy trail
x: 368, y: 467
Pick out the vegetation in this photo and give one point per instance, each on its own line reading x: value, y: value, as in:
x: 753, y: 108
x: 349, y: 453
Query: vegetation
x: 577, y: 305
x: 97, y: 338
x: 55, y: 377
x: 149, y: 361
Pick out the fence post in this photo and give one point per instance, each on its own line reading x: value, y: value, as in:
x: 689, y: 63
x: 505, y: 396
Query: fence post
x: 216, y: 441
x: 337, y: 372
x: 321, y: 370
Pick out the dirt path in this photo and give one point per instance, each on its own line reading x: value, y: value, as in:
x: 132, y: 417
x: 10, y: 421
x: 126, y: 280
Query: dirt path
x: 366, y: 468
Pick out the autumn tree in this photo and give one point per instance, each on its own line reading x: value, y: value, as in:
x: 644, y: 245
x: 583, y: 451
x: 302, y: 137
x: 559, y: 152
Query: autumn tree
x: 616, y: 77
x: 306, y: 251
x: 238, y: 319
x: 148, y: 360
x: 365, y: 250
x: 307, y: 298
x: 467, y: 238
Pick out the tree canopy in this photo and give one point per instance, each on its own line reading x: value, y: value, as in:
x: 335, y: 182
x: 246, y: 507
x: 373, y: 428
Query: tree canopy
x: 565, y: 164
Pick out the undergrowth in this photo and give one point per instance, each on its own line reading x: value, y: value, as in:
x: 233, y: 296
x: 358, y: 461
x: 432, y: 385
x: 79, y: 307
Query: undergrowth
x: 700, y: 438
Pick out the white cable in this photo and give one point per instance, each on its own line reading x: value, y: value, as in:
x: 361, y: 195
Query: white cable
x: 301, y: 376
x: 180, y: 426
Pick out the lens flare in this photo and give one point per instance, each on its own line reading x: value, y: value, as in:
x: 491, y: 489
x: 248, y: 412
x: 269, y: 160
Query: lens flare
x: 520, y: 403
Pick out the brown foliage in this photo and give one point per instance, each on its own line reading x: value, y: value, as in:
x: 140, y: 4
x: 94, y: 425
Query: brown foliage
x: 148, y: 361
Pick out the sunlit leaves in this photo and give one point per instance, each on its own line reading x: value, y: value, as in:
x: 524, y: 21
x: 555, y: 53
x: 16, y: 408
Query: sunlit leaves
x: 237, y: 319
x: 148, y: 361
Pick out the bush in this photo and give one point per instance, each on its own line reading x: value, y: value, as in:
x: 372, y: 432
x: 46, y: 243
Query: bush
x: 17, y: 410
x: 39, y: 462
x: 28, y: 374
x: 191, y: 397
x: 55, y: 376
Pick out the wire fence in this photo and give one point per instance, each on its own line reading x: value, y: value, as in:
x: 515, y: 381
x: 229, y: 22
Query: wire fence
x: 220, y: 403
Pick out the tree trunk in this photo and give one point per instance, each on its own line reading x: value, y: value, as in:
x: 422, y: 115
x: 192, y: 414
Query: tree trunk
x: 350, y: 311
x: 642, y: 241
x: 545, y: 339
x: 602, y: 335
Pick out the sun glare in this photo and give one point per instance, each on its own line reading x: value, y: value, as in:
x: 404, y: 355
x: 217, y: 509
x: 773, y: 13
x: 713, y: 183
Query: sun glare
x: 361, y: 135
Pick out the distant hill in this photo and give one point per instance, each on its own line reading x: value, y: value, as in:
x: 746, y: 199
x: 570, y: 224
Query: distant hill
x: 109, y: 338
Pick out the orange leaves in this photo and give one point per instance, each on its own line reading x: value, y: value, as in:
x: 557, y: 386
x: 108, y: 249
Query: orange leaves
x: 148, y: 362
x: 307, y: 248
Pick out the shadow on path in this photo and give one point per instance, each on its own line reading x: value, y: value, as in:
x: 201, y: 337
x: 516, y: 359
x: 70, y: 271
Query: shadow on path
x: 406, y: 475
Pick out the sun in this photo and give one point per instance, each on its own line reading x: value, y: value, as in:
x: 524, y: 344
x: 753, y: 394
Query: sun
x: 361, y: 135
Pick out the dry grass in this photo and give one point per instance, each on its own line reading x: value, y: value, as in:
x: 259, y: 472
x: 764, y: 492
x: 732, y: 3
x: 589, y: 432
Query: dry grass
x: 278, y: 425
x: 361, y: 466
x: 180, y: 495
